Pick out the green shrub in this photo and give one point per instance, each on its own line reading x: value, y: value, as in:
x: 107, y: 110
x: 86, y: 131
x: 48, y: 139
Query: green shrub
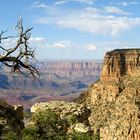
x: 81, y: 136
x: 72, y: 119
x: 10, y: 136
x: 49, y: 124
x: 30, y: 133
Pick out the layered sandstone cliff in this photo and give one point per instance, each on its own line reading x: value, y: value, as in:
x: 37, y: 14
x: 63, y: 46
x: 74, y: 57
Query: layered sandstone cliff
x: 53, y: 71
x: 115, y: 98
x: 121, y: 62
x: 72, y: 68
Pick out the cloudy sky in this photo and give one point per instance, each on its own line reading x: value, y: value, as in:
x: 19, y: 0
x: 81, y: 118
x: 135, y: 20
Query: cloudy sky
x: 74, y: 29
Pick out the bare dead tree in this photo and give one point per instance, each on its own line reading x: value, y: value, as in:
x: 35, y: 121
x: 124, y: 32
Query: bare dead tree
x: 19, y: 57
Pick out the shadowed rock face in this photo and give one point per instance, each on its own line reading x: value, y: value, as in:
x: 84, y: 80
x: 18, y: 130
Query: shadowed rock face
x: 115, y: 98
x: 121, y: 62
x: 11, y: 118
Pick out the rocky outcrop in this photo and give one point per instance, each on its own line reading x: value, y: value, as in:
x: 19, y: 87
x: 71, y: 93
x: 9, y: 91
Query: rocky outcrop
x: 76, y: 114
x: 11, y: 118
x: 120, y: 62
x: 115, y: 98
x: 115, y: 112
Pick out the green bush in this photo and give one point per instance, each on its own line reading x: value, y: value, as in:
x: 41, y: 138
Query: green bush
x: 9, y: 136
x: 49, y: 124
x: 72, y: 119
x: 30, y: 133
x: 81, y: 136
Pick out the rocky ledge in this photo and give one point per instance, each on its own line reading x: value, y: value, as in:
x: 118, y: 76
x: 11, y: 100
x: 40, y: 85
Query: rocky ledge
x: 76, y: 114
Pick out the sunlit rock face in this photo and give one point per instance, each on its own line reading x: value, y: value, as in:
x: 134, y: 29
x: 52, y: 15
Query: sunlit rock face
x: 121, y: 62
x: 115, y: 98
x: 79, y: 113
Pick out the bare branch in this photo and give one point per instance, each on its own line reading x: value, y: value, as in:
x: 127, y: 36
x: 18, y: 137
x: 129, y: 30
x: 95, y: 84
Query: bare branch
x: 18, y: 57
x: 3, y: 48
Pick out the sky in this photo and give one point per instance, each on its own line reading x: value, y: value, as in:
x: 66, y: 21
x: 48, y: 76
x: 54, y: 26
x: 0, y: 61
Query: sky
x: 74, y: 29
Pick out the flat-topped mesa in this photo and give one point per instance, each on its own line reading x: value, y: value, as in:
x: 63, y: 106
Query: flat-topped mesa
x: 120, y: 62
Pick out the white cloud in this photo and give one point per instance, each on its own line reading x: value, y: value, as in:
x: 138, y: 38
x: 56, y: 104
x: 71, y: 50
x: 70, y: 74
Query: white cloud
x: 115, y: 44
x: 60, y: 2
x: 38, y: 4
x: 34, y: 42
x: 133, y: 2
x: 90, y: 47
x: 97, y: 24
x: 71, y: 48
x: 62, y: 44
x: 89, y: 2
x: 38, y: 42
x: 124, y: 3
x: 37, y: 39
x: 9, y: 43
x: 115, y: 10
x: 91, y: 19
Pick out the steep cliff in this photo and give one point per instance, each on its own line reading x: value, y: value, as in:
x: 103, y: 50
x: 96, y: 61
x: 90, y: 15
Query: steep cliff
x: 121, y: 62
x: 115, y: 98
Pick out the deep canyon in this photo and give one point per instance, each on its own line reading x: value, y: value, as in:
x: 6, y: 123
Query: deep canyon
x: 59, y: 80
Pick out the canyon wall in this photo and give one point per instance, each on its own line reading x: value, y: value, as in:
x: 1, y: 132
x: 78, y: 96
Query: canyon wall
x: 72, y: 67
x: 115, y: 98
x: 51, y: 72
x: 61, y: 80
x: 121, y: 62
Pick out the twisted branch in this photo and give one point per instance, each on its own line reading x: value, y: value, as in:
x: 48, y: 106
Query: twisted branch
x: 18, y: 58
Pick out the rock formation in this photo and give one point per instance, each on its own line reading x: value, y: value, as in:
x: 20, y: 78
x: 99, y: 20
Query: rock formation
x: 71, y: 68
x: 121, y: 62
x: 76, y: 114
x: 51, y: 71
x: 115, y: 98
x: 11, y: 118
